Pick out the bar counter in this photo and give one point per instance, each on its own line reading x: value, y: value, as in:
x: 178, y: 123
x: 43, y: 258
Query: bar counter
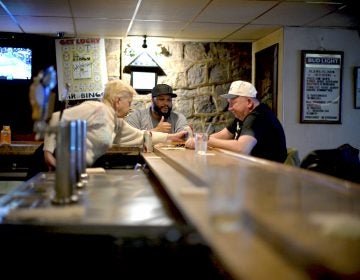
x: 121, y: 227
x: 295, y: 224
x: 25, y: 148
x: 19, y: 148
x: 16, y: 158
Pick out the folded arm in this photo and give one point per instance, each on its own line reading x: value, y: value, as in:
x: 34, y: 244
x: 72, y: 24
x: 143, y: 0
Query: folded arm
x: 224, y: 140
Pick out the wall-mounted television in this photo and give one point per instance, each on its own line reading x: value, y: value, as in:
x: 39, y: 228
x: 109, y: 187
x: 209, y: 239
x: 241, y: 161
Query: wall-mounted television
x: 26, y: 54
x: 15, y: 63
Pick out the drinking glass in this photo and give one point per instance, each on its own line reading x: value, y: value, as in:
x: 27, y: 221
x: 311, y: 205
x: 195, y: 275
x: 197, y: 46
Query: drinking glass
x: 201, y: 143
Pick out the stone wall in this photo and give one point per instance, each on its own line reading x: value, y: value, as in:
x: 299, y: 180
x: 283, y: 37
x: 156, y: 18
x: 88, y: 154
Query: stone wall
x: 199, y: 73
x: 113, y: 58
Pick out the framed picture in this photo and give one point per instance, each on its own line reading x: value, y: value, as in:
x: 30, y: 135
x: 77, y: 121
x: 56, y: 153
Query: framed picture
x: 321, y: 86
x: 143, y: 82
x: 266, y: 76
x: 357, y: 87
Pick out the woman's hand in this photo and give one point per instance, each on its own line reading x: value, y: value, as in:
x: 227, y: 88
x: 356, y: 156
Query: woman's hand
x: 177, y: 137
x: 50, y: 160
x: 190, y: 143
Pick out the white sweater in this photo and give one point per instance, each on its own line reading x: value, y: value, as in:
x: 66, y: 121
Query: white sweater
x: 103, y: 129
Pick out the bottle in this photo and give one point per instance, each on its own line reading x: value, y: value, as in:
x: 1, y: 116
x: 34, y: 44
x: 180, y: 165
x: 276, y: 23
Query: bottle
x: 148, y: 146
x: 5, y: 135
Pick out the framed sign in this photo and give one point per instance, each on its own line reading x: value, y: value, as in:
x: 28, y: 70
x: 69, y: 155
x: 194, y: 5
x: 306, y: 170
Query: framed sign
x: 143, y: 82
x: 266, y: 70
x: 321, y: 86
x: 357, y: 87
x: 81, y: 68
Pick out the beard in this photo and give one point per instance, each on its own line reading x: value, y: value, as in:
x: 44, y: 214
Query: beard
x: 157, y: 109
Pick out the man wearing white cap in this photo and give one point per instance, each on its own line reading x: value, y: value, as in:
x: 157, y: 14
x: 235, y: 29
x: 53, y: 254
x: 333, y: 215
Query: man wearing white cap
x: 255, y: 130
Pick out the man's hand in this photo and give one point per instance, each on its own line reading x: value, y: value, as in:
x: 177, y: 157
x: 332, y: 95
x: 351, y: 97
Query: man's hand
x: 163, y: 126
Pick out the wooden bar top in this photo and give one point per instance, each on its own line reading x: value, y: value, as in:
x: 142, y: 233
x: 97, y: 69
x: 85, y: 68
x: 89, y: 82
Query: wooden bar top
x: 25, y: 148
x: 22, y: 148
x: 110, y: 197
x: 295, y: 224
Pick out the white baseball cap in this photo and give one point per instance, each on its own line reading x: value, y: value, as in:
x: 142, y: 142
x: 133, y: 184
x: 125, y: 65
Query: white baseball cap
x: 240, y: 88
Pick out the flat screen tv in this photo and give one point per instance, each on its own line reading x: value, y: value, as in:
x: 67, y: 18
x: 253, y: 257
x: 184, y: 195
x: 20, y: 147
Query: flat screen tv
x: 15, y: 63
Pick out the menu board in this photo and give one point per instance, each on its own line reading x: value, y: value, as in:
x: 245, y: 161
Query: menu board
x: 321, y: 87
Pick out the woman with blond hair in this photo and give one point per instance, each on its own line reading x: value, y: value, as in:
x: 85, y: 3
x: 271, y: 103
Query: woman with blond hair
x: 105, y: 124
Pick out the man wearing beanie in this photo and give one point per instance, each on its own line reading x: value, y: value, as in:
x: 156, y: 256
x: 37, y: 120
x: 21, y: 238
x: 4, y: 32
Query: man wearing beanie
x: 160, y: 116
